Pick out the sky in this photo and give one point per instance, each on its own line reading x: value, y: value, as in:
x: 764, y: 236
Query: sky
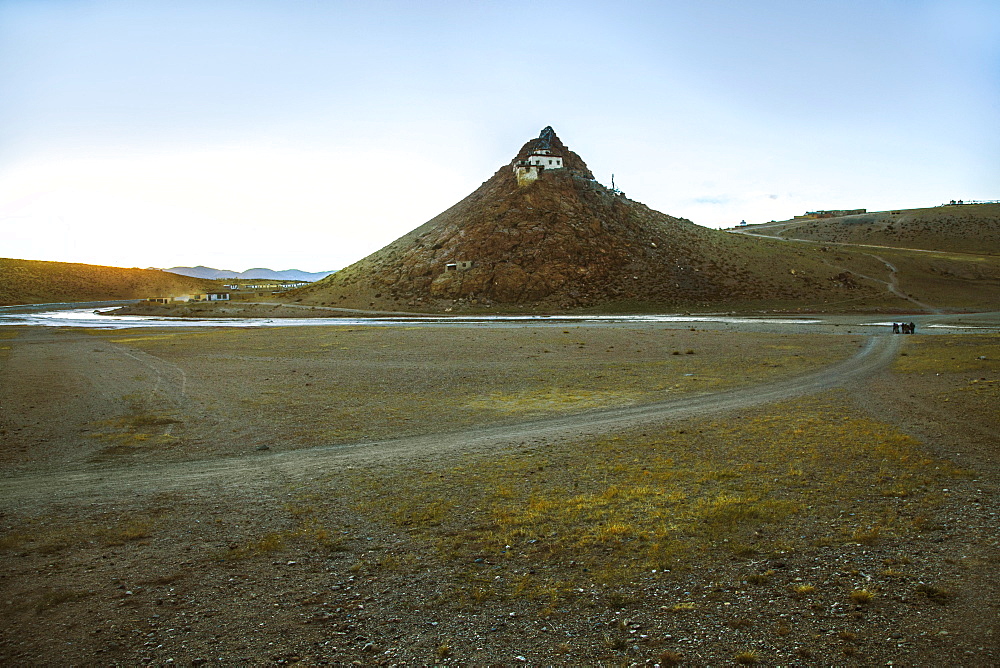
x: 308, y: 134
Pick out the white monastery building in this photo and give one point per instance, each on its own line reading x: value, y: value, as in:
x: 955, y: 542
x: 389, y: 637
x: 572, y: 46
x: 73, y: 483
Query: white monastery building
x: 527, y: 171
x: 543, y: 157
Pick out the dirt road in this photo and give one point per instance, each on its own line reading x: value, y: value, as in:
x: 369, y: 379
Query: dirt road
x: 95, y: 483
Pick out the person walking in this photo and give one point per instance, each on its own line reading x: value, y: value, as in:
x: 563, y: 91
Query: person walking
x: 895, y: 328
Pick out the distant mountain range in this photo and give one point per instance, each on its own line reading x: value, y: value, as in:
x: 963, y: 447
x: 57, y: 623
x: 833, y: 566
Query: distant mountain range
x: 266, y: 274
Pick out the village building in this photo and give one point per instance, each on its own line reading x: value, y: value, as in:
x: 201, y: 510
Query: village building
x: 528, y: 170
x: 833, y: 213
x: 211, y: 297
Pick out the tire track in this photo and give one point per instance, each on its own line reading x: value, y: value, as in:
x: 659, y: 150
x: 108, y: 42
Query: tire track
x: 174, y: 391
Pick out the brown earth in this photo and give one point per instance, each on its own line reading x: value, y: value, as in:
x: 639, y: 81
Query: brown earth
x: 35, y: 282
x: 468, y: 512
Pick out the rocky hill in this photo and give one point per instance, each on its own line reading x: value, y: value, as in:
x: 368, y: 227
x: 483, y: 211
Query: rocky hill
x: 36, y: 282
x: 564, y: 241
x: 966, y: 228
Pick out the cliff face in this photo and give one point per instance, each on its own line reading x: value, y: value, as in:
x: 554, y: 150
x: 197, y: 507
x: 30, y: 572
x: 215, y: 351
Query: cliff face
x: 562, y: 241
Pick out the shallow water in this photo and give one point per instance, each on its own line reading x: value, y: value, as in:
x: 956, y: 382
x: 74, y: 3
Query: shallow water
x: 92, y: 318
x: 89, y: 315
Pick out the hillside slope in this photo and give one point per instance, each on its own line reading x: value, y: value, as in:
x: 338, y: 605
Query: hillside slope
x: 564, y: 241
x: 36, y: 282
x: 968, y: 228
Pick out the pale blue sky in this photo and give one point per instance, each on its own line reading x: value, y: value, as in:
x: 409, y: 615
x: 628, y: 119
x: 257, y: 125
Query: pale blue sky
x: 309, y: 134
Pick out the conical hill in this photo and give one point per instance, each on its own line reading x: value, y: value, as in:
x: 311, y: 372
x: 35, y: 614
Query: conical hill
x: 540, y: 234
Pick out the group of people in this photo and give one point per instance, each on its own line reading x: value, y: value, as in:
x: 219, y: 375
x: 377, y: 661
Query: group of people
x: 904, y: 328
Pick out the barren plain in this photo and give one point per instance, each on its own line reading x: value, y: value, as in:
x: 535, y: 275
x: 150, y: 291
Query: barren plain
x: 498, y: 496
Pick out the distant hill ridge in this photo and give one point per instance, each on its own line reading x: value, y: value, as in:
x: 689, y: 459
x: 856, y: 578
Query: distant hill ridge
x: 966, y: 228
x: 39, y: 282
x: 262, y: 273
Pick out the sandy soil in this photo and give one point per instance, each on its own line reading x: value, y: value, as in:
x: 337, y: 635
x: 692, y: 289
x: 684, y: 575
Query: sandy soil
x: 158, y: 508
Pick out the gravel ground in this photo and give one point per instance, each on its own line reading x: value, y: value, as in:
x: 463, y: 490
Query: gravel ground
x: 367, y: 562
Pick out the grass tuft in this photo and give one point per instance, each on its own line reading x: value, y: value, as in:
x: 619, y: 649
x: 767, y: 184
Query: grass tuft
x: 937, y: 594
x: 760, y: 578
x: 670, y: 658
x: 867, y: 536
x: 53, y: 597
x: 747, y: 657
x: 862, y: 596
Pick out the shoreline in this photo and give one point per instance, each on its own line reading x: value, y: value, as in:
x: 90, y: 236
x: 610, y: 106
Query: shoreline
x: 282, y: 310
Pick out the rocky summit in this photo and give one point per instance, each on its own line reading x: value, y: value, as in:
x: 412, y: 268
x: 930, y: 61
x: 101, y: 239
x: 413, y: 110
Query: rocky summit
x: 543, y: 233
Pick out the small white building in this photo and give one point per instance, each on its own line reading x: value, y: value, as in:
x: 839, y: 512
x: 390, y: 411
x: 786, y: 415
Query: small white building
x: 543, y: 158
x: 527, y: 170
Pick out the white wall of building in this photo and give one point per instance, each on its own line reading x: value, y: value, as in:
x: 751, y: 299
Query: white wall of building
x: 546, y: 161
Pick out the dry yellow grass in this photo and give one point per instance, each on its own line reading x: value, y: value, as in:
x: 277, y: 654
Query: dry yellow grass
x: 950, y: 353
x: 662, y: 499
x: 53, y: 534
